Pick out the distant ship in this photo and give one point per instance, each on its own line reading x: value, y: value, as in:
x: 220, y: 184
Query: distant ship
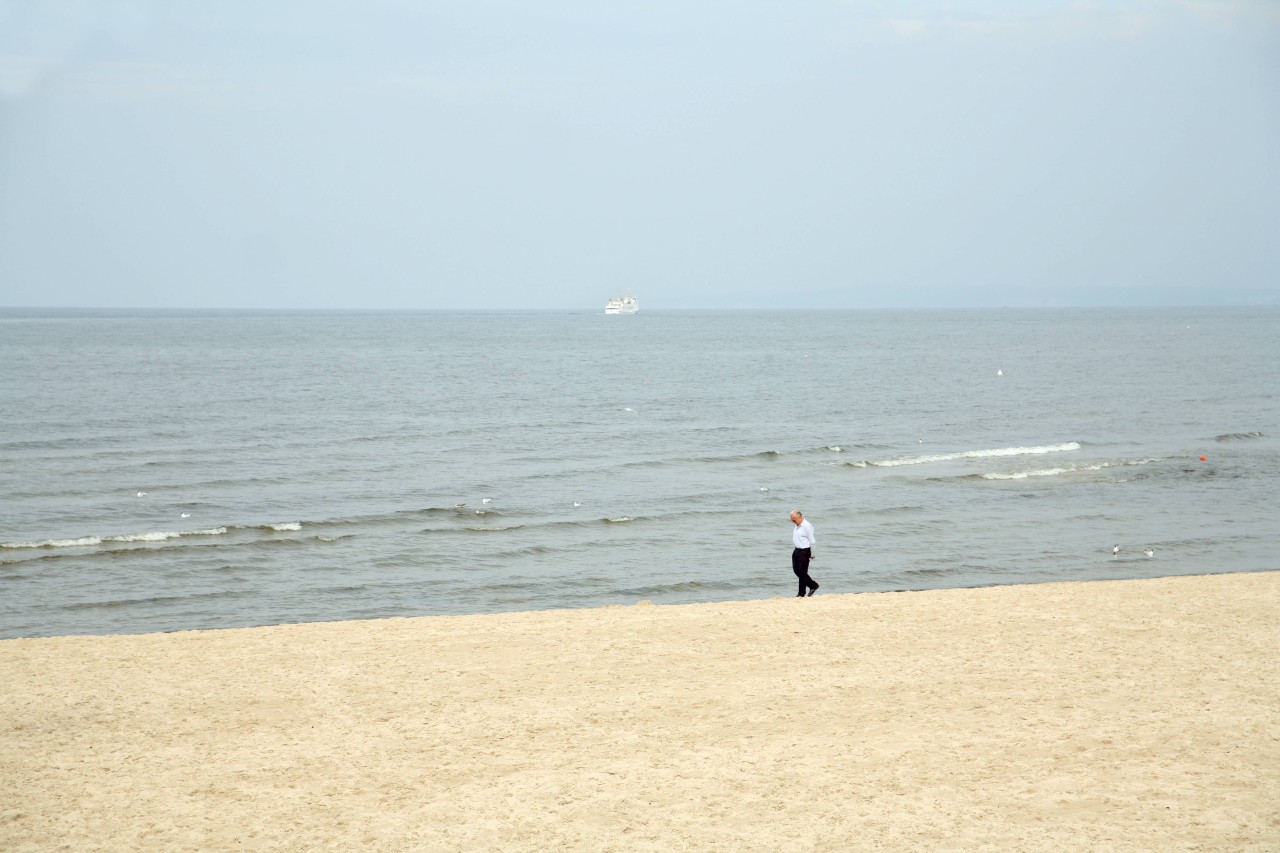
x: 626, y: 305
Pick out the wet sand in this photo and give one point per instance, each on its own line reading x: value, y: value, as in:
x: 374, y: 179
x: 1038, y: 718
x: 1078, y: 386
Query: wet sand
x: 1122, y: 715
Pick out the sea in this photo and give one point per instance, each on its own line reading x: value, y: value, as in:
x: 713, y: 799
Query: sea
x: 168, y: 471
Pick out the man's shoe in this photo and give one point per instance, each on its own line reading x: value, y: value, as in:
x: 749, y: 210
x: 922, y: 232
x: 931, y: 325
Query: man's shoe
x: 815, y: 589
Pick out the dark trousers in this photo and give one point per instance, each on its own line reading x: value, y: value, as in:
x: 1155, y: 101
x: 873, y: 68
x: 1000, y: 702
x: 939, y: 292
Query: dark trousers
x: 800, y: 565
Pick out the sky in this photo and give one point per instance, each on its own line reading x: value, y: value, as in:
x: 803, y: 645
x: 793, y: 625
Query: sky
x: 388, y: 154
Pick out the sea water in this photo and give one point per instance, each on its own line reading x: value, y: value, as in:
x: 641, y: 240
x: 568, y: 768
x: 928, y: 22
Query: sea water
x: 202, y: 470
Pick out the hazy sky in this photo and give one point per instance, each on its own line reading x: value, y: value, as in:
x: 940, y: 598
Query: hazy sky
x: 385, y: 154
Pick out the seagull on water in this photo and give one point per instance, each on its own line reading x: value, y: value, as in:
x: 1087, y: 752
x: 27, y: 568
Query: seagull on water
x: 186, y: 515
x: 1115, y: 550
x: 142, y: 494
x: 1150, y: 552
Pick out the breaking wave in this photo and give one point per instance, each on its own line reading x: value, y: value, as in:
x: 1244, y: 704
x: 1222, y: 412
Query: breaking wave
x: 1047, y: 472
x: 967, y: 454
x: 90, y: 541
x: 1237, y: 436
x: 1075, y: 469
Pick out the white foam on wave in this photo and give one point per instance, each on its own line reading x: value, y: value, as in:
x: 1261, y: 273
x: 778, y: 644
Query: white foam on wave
x: 285, y: 526
x: 1053, y: 472
x: 1022, y: 475
x: 161, y: 536
x: 90, y: 541
x: 977, y: 454
x: 82, y: 542
x: 158, y: 536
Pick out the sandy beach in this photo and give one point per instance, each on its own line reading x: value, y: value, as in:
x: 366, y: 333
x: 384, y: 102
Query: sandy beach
x: 1122, y: 715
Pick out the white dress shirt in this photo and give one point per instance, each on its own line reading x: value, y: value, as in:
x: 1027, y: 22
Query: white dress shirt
x: 802, y: 536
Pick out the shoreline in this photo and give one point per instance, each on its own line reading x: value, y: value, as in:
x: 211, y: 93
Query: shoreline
x: 1065, y: 715
x: 1087, y: 579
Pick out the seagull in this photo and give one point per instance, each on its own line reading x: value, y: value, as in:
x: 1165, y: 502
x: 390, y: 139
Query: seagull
x: 1115, y: 550
x: 999, y: 373
x: 764, y: 488
x: 458, y: 506
x: 1150, y: 552
x: 486, y: 500
x: 575, y: 503
x: 186, y: 515
x: 142, y: 494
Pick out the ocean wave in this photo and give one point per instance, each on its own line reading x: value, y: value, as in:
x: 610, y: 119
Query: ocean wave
x: 394, y: 517
x: 896, y: 510
x: 152, y: 600
x: 82, y: 542
x: 928, y: 572
x: 1237, y: 436
x: 712, y: 460
x: 1045, y: 472
x: 90, y: 541
x: 1075, y: 469
x: 284, y: 526
x: 729, y: 459
x: 680, y: 586
x: 495, y: 529
x: 45, y: 444
x: 762, y: 455
x: 968, y: 454
x: 619, y: 520
x: 527, y: 551
x: 162, y: 536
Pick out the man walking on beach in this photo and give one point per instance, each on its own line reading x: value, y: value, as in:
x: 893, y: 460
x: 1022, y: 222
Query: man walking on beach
x: 802, y: 539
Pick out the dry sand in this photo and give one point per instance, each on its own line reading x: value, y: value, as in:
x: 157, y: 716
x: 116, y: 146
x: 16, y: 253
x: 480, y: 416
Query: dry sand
x: 1128, y: 715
